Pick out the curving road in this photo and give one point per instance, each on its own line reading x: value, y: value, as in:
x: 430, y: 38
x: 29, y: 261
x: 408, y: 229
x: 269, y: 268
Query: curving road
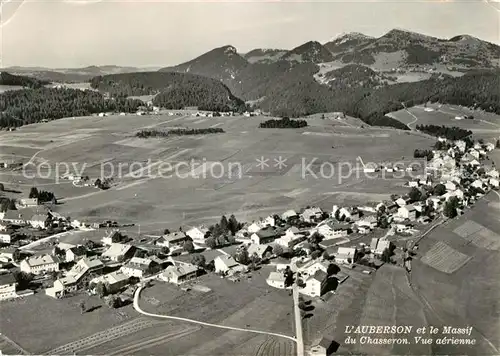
x: 139, y: 310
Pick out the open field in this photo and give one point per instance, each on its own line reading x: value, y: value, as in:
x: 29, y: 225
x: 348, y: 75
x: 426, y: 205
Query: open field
x: 468, y: 296
x: 230, y: 182
x: 39, y: 323
x: 484, y: 125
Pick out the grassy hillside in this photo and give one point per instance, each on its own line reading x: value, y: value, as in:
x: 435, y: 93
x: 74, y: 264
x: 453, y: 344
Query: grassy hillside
x: 174, y: 90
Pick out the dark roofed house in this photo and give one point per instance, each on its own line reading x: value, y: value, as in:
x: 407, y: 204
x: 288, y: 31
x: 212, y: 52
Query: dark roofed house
x: 324, y: 347
x: 265, y: 235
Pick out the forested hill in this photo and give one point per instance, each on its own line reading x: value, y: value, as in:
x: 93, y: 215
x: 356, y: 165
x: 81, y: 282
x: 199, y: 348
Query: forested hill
x: 174, y: 90
x: 21, y: 80
x: 303, y: 96
x: 27, y: 106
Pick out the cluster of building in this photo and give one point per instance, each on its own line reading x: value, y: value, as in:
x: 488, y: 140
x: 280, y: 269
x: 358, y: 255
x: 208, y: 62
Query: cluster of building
x: 314, y: 238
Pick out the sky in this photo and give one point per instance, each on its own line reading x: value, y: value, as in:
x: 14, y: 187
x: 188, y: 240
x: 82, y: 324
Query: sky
x: 77, y: 33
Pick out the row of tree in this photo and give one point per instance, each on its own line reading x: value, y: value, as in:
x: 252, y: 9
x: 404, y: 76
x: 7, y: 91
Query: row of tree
x: 451, y: 133
x: 283, y: 123
x: 178, y: 132
x: 42, y: 195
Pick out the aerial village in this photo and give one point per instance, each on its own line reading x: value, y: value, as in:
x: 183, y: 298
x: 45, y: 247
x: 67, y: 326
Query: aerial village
x: 309, y: 248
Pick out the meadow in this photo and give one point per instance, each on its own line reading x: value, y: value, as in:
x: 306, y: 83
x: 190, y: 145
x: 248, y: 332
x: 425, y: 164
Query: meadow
x: 232, y: 180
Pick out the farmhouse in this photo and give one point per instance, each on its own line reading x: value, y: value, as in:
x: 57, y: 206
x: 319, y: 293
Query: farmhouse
x: 262, y: 251
x: 179, y: 273
x: 40, y: 264
x: 119, y: 252
x: 139, y: 267
x: 265, y: 235
x: 41, y: 221
x: 291, y: 238
x: 289, y: 214
x: 324, y: 347
x: 227, y: 264
x: 86, y: 266
x: 7, y: 237
x: 408, y: 212
x: 174, y: 240
x: 312, y: 214
x: 332, y: 230
x: 112, y: 237
x: 369, y: 221
x: 63, y: 287
x: 381, y: 246
x: 311, y: 267
x: 198, y: 235
x: 8, y: 286
x: 75, y: 253
x: 276, y: 280
x: 114, y: 281
x: 346, y: 255
x: 315, y: 284
x: 28, y: 202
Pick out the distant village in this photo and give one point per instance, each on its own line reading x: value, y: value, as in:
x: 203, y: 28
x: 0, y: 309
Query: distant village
x: 306, y: 247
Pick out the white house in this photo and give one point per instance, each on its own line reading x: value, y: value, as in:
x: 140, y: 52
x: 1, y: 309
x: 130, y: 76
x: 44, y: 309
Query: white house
x: 227, y: 264
x: 276, y: 280
x: 311, y: 267
x: 369, y: 221
x: 6, y: 237
x: 137, y: 267
x: 400, y: 202
x: 118, y: 252
x: 381, y: 246
x: 41, y: 221
x: 28, y: 202
x: 8, y: 286
x: 197, y: 234
x: 63, y: 287
x: 173, y: 240
x: 346, y: 255
x: 315, y: 284
x: 292, y: 236
x: 288, y: 214
x: 40, y: 264
x: 478, y: 184
x: 450, y: 186
x: 324, y: 347
x: 311, y: 214
x: 407, y: 212
x: 493, y: 182
x: 75, y: 253
x: 332, y: 230
x: 179, y: 273
x: 492, y: 173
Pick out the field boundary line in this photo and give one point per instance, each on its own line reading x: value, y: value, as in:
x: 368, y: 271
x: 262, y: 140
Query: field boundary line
x: 139, y: 310
x: 14, y: 344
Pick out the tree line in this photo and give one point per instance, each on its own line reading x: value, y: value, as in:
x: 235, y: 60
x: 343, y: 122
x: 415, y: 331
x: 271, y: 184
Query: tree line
x: 172, y: 90
x: 451, y: 133
x: 178, y: 132
x: 42, y: 195
x: 27, y: 106
x: 283, y: 123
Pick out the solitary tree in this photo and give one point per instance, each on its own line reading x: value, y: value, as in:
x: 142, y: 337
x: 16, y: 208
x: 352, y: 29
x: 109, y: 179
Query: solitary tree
x: 450, y: 208
x: 101, y: 290
x: 198, y: 260
x: 386, y: 256
x: 277, y: 250
x: 211, y: 242
x: 439, y: 189
x: 415, y: 194
x: 82, y: 306
x: 2, y: 188
x: 188, y: 246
